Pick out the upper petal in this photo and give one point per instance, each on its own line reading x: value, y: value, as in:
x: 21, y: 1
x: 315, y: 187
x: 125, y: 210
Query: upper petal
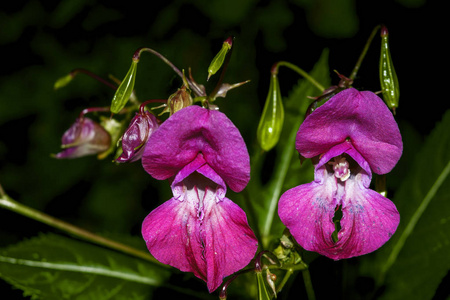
x: 362, y: 118
x: 194, y: 130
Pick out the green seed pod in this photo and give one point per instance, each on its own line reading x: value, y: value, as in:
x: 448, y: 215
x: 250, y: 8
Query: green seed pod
x: 388, y: 77
x: 125, y: 89
x: 63, y: 81
x: 272, y: 118
x: 218, y: 60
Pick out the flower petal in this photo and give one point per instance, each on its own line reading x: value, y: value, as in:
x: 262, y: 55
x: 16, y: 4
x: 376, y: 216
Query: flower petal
x: 194, y: 130
x: 212, y: 242
x: 307, y: 211
x: 361, y: 117
x: 368, y: 221
x: 230, y: 244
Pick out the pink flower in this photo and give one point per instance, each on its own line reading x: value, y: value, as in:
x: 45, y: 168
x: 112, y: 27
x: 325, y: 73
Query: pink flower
x: 199, y: 230
x: 348, y: 137
x: 135, y: 137
x: 84, y: 137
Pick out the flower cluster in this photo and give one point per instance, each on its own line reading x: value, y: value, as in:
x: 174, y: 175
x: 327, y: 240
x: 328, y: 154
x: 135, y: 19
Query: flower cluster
x: 201, y: 153
x: 348, y: 138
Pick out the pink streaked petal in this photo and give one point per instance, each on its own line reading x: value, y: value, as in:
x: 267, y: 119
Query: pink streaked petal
x: 171, y: 234
x: 307, y: 211
x: 361, y: 117
x: 194, y: 130
x: 199, y: 232
x: 368, y: 221
x: 230, y: 244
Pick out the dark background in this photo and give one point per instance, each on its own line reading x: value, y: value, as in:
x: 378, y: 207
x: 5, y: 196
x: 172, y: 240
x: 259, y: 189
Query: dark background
x: 41, y: 41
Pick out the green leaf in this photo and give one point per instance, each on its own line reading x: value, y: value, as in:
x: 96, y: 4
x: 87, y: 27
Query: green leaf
x: 288, y: 172
x: 415, y: 261
x: 55, y: 267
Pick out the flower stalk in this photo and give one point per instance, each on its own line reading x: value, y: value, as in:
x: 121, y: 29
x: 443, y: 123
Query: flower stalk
x: 12, y: 205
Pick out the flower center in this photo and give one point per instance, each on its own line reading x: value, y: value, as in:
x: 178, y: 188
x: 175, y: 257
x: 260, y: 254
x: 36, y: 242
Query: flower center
x: 341, y: 168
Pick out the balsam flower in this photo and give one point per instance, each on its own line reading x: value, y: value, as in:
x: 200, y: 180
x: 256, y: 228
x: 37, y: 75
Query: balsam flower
x: 199, y: 230
x: 84, y: 137
x: 136, y: 136
x: 348, y: 137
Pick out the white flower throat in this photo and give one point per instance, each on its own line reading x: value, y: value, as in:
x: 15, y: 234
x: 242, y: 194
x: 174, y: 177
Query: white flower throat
x: 341, y: 168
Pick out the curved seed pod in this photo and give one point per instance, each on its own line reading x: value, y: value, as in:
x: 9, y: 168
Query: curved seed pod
x: 218, y: 60
x: 388, y: 77
x: 125, y: 89
x: 272, y: 118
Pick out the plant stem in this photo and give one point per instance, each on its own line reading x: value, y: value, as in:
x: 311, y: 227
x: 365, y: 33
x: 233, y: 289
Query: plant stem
x: 363, y: 53
x: 308, y: 285
x: 192, y: 85
x: 8, y: 203
x: 300, y: 71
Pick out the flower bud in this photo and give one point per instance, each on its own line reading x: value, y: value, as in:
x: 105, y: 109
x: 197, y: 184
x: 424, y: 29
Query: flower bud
x: 125, y: 89
x: 63, y: 81
x: 272, y: 118
x: 84, y: 137
x: 178, y: 100
x: 114, y: 128
x: 218, y: 60
x: 388, y: 77
x: 135, y: 137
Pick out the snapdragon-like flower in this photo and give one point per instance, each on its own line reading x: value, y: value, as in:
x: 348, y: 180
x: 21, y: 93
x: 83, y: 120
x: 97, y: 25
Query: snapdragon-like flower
x: 348, y: 137
x: 84, y: 137
x: 135, y: 137
x: 199, y: 230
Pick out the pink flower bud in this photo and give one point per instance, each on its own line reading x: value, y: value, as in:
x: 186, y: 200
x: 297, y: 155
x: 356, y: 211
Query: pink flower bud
x: 136, y: 136
x: 84, y: 137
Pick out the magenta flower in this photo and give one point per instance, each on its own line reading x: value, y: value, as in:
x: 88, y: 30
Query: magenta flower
x: 348, y: 137
x: 84, y: 137
x: 135, y: 137
x: 199, y: 230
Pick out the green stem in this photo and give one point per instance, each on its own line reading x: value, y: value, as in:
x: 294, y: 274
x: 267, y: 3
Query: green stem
x: 363, y: 53
x: 288, y: 274
x: 279, y: 175
x: 8, y: 203
x: 300, y: 71
x: 308, y: 285
x: 192, y: 85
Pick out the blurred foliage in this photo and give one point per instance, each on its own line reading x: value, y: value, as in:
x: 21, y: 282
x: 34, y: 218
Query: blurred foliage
x: 41, y: 41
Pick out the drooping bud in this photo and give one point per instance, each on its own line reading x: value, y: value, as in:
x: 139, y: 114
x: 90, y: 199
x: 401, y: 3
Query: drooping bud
x: 218, y: 60
x: 135, y: 137
x: 84, y: 137
x: 125, y: 89
x: 388, y: 77
x: 272, y: 118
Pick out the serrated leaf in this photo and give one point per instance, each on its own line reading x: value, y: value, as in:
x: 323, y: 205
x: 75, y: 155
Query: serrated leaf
x: 55, y: 267
x: 287, y: 172
x: 417, y: 258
